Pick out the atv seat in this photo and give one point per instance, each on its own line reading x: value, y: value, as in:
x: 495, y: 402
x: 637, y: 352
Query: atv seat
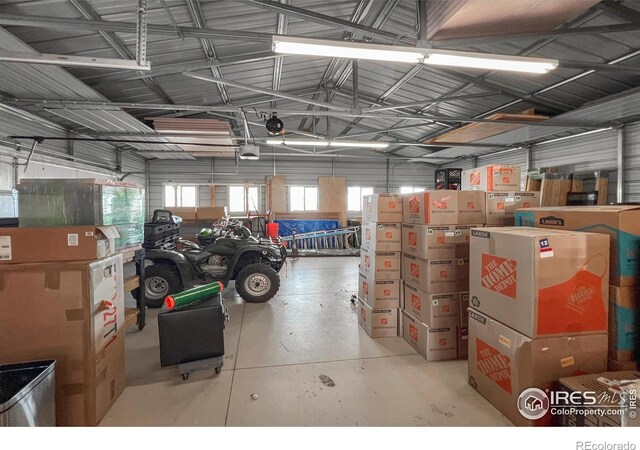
x: 197, y: 257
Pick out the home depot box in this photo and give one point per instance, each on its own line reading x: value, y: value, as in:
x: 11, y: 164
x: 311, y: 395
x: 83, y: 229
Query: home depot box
x: 21, y: 245
x: 72, y: 312
x: 434, y: 310
x: 378, y: 322
x: 606, y: 401
x: 463, y: 342
x: 621, y: 223
x: 444, y: 207
x: 494, y: 177
x: 434, y: 276
x: 503, y: 363
x: 186, y: 213
x: 380, y: 265
x: 382, y: 237
x: 464, y: 309
x: 433, y: 344
x: 379, y: 293
x: 385, y: 208
x: 211, y: 213
x: 541, y: 282
x: 623, y: 315
x: 436, y: 241
x: 501, y: 206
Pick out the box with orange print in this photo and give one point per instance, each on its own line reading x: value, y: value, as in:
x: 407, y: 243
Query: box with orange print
x: 444, y: 207
x: 433, y: 344
x: 379, y: 293
x: 492, y: 178
x: 437, y: 241
x: 436, y: 276
x: 434, y: 310
x: 501, y: 206
x: 382, y: 237
x: 380, y: 265
x: 386, y: 208
x: 541, y: 282
x: 378, y: 322
x: 504, y: 364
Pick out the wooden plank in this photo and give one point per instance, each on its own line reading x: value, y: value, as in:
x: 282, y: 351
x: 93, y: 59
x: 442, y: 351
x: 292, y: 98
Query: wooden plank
x: 212, y: 195
x: 130, y: 317
x: 131, y: 283
x: 333, y: 197
x: 276, y: 193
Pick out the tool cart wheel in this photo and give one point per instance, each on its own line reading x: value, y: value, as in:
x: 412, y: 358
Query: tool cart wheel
x: 218, y: 370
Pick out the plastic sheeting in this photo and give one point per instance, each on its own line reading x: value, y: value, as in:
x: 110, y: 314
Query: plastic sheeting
x: 285, y: 227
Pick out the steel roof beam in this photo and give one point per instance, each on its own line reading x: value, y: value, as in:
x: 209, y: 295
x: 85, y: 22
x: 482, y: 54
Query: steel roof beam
x: 323, y: 19
x: 283, y: 23
x: 619, y: 10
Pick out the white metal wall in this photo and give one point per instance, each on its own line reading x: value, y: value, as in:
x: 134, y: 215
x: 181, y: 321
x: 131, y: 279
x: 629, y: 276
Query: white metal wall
x: 632, y: 163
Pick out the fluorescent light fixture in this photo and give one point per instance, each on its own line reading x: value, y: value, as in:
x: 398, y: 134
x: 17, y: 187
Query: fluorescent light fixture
x: 345, y: 49
x: 489, y: 61
x: 324, y: 143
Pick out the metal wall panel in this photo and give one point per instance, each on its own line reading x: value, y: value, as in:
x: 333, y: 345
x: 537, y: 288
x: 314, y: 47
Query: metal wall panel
x: 632, y: 163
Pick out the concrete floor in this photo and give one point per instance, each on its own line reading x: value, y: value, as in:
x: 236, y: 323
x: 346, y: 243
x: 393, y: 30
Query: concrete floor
x: 280, y: 350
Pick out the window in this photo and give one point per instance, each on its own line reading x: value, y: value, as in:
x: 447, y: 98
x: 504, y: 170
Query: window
x: 303, y: 198
x: 179, y: 195
x: 411, y: 189
x: 243, y: 199
x: 355, y: 195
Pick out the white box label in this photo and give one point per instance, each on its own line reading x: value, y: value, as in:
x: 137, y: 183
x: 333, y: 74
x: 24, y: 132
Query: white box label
x: 5, y: 248
x: 72, y: 239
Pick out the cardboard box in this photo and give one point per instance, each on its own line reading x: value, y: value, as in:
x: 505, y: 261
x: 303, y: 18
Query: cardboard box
x: 379, y: 293
x: 494, y: 177
x: 75, y: 315
x: 501, y: 206
x: 444, y: 207
x: 434, y: 310
x: 463, y: 342
x: 210, y: 213
x: 386, y: 208
x: 621, y: 223
x: 623, y: 316
x: 503, y: 363
x: 604, y: 389
x: 186, y: 213
x: 437, y: 241
x: 435, y: 276
x: 433, y: 344
x: 464, y: 309
x: 541, y: 282
x: 380, y: 265
x: 378, y: 322
x: 382, y: 237
x: 26, y: 245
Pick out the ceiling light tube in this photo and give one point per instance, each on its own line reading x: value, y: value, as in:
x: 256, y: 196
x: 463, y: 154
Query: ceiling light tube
x: 305, y: 142
x: 489, y: 61
x: 371, y: 144
x: 345, y: 49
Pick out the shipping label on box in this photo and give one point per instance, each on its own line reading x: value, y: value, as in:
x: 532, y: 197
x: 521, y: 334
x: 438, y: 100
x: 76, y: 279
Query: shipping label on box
x: 378, y: 322
x: 493, y: 177
x: 107, y: 297
x: 380, y: 265
x: 504, y: 363
x: 501, y: 206
x: 436, y: 241
x: 623, y: 311
x: 386, y: 208
x: 379, y: 293
x: 621, y: 223
x: 433, y: 344
x: 385, y: 237
x: 434, y: 276
x: 434, y: 310
x: 463, y: 342
x: 464, y: 307
x: 541, y: 282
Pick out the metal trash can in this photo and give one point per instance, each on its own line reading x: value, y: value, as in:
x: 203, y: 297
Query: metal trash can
x: 27, y: 394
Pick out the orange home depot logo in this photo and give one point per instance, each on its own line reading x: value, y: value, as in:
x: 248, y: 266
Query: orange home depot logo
x: 367, y: 234
x: 413, y: 332
x: 471, y: 205
x: 367, y: 260
x: 499, y: 275
x: 495, y: 365
x: 386, y: 292
x: 392, y: 205
x: 499, y: 206
x: 526, y: 205
x: 415, y: 302
x: 443, y: 274
x: 441, y: 240
x: 445, y: 308
x: 413, y: 239
x: 387, y: 264
x: 363, y: 314
x: 442, y: 342
x: 388, y: 234
x: 384, y: 321
x: 442, y: 203
x: 415, y: 270
x: 365, y: 288
x: 414, y: 205
x: 474, y: 178
x: 506, y: 180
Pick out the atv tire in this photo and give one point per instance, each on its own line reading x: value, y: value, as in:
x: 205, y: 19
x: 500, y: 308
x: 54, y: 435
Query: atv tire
x: 159, y: 274
x: 257, y: 283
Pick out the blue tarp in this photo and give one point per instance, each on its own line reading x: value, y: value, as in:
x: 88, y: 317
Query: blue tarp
x: 305, y: 226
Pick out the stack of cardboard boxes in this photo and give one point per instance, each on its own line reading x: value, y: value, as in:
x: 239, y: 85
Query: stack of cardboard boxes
x: 379, y: 280
x: 435, y: 264
x: 539, y: 304
x: 622, y: 224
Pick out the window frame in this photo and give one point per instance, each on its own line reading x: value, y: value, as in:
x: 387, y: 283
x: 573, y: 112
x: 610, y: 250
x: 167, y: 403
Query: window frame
x: 245, y: 200
x: 304, y: 200
x: 178, y: 196
x: 360, y: 189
